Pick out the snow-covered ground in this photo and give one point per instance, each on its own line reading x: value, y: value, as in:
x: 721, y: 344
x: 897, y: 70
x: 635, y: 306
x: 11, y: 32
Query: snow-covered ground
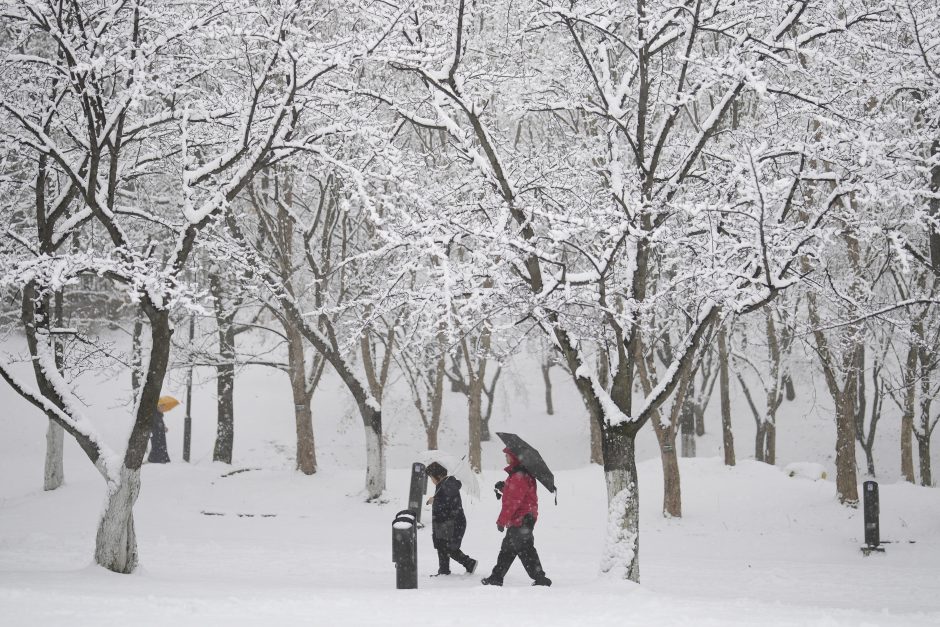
x: 269, y: 546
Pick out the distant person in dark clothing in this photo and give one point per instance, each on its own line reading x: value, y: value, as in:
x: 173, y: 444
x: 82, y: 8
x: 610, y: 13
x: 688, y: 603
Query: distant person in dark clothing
x: 448, y: 522
x: 518, y: 515
x: 158, y: 452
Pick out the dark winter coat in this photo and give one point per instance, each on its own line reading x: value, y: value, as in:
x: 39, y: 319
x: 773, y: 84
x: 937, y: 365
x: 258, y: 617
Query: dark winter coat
x: 520, y: 498
x: 448, y: 522
x: 158, y: 452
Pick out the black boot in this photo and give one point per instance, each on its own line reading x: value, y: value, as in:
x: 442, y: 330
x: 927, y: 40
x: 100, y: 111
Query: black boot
x: 542, y: 581
x: 491, y: 581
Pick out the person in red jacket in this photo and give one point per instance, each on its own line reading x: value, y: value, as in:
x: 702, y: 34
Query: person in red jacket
x: 518, y: 515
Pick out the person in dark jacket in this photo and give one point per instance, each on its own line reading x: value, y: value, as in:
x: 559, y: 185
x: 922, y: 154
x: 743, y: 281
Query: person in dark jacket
x: 518, y: 515
x: 448, y: 522
x: 158, y: 452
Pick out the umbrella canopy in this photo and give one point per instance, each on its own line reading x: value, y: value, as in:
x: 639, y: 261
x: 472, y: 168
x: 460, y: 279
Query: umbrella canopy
x: 530, y: 458
x: 166, y: 403
x: 456, y: 467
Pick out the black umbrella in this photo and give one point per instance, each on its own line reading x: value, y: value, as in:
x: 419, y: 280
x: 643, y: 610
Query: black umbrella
x: 530, y: 458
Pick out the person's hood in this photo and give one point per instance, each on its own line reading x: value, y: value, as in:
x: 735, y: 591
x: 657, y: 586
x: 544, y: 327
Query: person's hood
x: 513, y: 460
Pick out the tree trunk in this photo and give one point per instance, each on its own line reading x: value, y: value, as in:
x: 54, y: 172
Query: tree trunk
x: 725, y: 391
x: 760, y: 422
x: 490, y: 393
x: 924, y: 428
x: 370, y: 409
x: 137, y: 356
x: 477, y: 380
x: 225, y: 388
x: 306, y: 450
x: 775, y: 392
x: 759, y: 436
x: 907, y: 434
x: 225, y: 374
x: 934, y: 211
x: 475, y: 417
x: 622, y: 552
x: 770, y: 442
x: 54, y: 472
x: 869, y: 459
x: 672, y: 490
x: 549, y: 407
x: 437, y: 398
x: 485, y: 435
x: 375, y: 452
x: 603, y: 377
x: 907, y: 454
x: 846, y: 477
x: 672, y: 487
x: 54, y: 475
x: 597, y: 444
x: 306, y: 457
x: 116, y: 541
x: 687, y: 428
x: 923, y: 450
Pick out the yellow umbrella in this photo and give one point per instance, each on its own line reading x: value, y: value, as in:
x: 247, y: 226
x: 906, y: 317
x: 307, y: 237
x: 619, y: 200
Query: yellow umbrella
x: 166, y: 403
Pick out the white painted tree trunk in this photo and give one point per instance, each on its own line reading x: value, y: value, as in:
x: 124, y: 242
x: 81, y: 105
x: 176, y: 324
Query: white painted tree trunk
x: 116, y: 542
x: 622, y: 551
x: 375, y: 464
x: 54, y: 475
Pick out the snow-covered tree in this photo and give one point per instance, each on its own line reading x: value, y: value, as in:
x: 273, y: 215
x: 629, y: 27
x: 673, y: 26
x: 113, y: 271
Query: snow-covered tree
x: 646, y: 189
x: 164, y: 114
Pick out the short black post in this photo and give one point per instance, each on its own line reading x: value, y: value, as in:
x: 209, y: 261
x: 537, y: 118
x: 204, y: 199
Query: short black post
x: 405, y: 549
x: 872, y: 511
x: 417, y: 490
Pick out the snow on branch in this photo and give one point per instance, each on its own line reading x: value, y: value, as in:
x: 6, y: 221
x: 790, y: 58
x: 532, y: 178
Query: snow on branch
x: 73, y: 422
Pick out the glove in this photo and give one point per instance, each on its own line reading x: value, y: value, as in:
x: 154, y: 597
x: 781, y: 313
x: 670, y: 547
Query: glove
x: 498, y: 489
x: 500, y: 528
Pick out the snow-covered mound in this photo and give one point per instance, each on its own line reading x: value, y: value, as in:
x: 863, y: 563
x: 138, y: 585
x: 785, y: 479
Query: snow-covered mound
x: 806, y: 470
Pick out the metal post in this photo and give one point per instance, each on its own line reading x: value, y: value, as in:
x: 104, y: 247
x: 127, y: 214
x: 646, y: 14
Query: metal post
x: 405, y: 550
x: 872, y: 535
x: 417, y: 490
x: 872, y: 511
x: 188, y: 419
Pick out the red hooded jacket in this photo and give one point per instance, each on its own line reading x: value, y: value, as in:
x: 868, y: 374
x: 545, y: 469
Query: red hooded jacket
x: 519, y: 495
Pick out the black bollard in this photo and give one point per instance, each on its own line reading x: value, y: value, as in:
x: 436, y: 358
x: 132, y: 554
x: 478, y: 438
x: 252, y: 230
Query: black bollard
x: 417, y: 490
x: 405, y: 550
x: 872, y: 511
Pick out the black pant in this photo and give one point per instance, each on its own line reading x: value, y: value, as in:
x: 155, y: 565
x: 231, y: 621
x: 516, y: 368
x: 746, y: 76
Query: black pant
x: 444, y: 555
x: 518, y: 541
x: 158, y: 452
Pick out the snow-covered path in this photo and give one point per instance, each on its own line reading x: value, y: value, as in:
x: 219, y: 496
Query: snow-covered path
x: 755, y: 548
